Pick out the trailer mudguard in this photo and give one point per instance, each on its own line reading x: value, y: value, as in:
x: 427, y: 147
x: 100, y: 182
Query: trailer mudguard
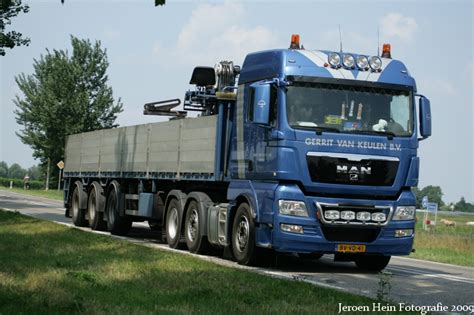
x: 82, y: 194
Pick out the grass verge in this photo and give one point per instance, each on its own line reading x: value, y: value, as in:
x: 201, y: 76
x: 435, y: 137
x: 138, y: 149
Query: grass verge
x: 49, y: 268
x: 448, y: 244
x: 51, y: 194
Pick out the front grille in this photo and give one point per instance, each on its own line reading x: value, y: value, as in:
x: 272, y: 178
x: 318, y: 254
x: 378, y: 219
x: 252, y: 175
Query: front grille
x: 350, y: 234
x: 341, y: 170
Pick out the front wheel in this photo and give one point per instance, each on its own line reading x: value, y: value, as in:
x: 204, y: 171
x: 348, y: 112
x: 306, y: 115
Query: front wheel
x: 243, y: 236
x: 372, y: 262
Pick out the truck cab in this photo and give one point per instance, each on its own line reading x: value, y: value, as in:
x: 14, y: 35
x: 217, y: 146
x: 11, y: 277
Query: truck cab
x: 325, y: 146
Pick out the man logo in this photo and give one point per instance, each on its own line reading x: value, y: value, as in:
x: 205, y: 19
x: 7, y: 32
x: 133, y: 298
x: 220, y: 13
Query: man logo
x: 353, y: 177
x: 362, y: 170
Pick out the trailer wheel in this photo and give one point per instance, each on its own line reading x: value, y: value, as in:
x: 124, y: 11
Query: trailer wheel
x: 243, y: 236
x: 372, y: 262
x: 96, y: 216
x: 173, y: 231
x: 116, y: 224
x: 78, y: 214
x: 195, y: 241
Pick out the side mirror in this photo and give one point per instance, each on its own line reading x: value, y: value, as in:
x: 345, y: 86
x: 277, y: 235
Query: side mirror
x: 425, y: 117
x: 261, y: 103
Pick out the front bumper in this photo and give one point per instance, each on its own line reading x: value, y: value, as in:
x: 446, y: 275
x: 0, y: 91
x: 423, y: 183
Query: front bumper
x: 323, y: 238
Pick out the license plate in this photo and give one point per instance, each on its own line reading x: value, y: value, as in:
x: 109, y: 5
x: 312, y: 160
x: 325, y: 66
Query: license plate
x: 350, y: 248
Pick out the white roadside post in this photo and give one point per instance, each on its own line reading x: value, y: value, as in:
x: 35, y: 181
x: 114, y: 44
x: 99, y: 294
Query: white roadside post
x: 424, y: 204
x: 61, y: 167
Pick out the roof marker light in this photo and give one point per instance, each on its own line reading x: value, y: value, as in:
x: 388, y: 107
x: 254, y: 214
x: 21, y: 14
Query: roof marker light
x: 334, y: 59
x: 375, y: 63
x: 362, y: 62
x: 348, y: 60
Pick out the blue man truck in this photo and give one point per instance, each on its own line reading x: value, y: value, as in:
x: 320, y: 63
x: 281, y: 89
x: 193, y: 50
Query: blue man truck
x: 298, y: 151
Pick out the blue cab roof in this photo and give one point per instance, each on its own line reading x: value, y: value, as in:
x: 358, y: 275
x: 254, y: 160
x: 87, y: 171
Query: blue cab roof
x: 280, y: 63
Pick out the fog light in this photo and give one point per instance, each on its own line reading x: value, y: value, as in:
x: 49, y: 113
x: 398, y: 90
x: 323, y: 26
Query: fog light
x: 331, y: 214
x: 292, y: 228
x: 363, y: 216
x: 348, y: 215
x: 403, y: 233
x: 379, y: 217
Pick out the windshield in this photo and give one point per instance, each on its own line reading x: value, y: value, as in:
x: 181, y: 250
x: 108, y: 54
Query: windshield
x: 351, y: 109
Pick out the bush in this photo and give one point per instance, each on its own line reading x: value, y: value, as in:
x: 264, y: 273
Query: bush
x: 18, y: 183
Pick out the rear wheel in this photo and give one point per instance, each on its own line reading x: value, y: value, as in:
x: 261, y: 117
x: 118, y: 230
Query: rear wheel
x: 196, y: 242
x: 173, y: 219
x: 116, y: 224
x: 96, y: 215
x: 78, y: 214
x: 372, y: 262
x: 243, y: 236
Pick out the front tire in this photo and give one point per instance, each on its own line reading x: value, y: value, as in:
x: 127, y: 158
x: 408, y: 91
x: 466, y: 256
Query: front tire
x: 372, y: 262
x: 116, y: 224
x: 196, y: 242
x: 78, y: 214
x: 243, y: 236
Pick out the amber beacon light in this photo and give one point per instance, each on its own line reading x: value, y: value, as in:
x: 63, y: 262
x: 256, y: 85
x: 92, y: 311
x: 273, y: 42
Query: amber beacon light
x: 295, y: 41
x: 386, y: 51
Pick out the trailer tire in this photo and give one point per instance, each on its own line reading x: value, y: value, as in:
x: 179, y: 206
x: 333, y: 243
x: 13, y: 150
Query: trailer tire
x: 372, y: 262
x: 243, y: 236
x: 94, y: 204
x: 196, y: 242
x: 78, y: 215
x: 173, y: 223
x: 116, y: 224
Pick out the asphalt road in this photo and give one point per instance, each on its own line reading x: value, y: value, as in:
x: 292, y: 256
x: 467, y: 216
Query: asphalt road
x: 413, y: 281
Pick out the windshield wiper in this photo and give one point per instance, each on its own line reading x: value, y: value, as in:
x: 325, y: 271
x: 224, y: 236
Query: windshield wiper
x: 390, y: 135
x: 318, y: 129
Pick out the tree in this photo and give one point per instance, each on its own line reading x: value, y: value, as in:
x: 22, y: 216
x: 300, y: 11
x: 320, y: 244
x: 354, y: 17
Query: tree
x: 3, y: 169
x: 16, y: 171
x: 35, y: 173
x: 434, y: 193
x: 464, y: 206
x: 8, y: 10
x: 66, y: 94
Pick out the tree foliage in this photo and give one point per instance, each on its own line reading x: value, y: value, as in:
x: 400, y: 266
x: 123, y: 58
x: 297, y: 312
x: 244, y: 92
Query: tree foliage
x: 66, y: 94
x: 434, y: 194
x: 8, y: 10
x: 464, y: 206
x: 3, y: 169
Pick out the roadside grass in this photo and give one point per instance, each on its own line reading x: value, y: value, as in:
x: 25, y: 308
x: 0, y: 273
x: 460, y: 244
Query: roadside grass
x: 51, y: 194
x: 448, y: 244
x: 49, y: 268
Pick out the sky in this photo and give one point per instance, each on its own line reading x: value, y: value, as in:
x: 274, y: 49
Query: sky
x: 153, y: 50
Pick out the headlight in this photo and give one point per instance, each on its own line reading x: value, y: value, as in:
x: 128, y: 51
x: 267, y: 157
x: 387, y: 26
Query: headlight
x: 379, y: 217
x: 334, y: 59
x: 404, y: 213
x: 362, y: 62
x: 363, y: 216
x: 375, y: 63
x: 291, y: 207
x: 348, y: 61
x: 348, y: 215
x: 331, y: 215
